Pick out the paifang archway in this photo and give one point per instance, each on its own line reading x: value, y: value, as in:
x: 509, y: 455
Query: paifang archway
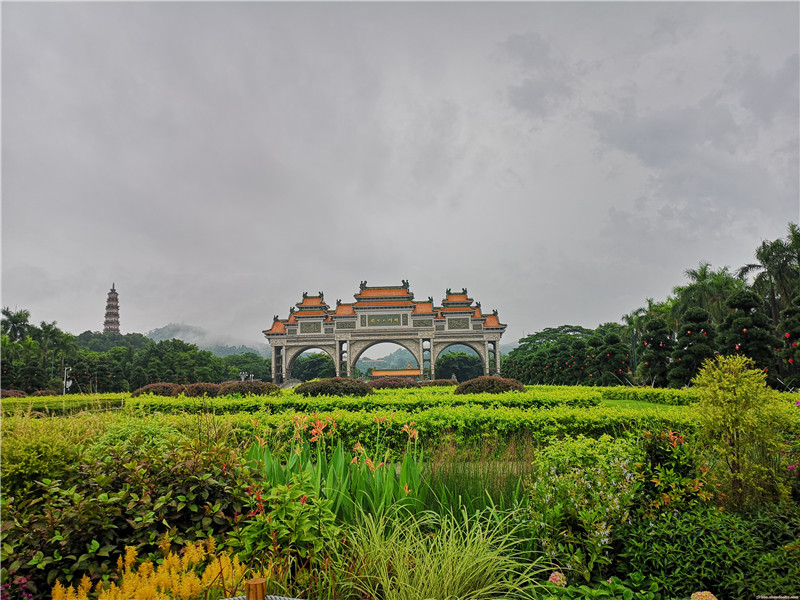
x: 384, y: 314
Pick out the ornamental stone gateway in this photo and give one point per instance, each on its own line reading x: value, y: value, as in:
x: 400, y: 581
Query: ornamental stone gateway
x: 384, y: 314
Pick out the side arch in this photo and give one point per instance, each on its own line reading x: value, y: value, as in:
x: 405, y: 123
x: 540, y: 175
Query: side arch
x: 293, y: 352
x: 482, y: 350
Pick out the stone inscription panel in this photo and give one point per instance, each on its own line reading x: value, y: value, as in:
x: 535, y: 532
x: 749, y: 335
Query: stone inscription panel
x: 345, y: 324
x: 423, y: 323
x: 383, y: 320
x: 310, y: 327
x: 458, y: 323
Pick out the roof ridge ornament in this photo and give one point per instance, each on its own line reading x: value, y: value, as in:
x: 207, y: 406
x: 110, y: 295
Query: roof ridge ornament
x: 405, y: 283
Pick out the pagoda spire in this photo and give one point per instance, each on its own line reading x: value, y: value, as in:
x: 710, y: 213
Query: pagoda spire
x: 111, y: 323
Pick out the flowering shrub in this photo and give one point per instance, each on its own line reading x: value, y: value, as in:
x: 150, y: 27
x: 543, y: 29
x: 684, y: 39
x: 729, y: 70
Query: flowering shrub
x: 579, y: 491
x: 198, y: 573
x: 12, y: 394
x: 703, y: 596
x: 558, y: 578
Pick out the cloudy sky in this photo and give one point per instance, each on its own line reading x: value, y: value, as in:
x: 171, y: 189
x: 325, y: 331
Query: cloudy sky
x: 563, y: 161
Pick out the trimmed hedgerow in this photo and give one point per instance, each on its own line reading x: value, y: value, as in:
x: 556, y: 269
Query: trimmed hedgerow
x: 439, y: 382
x: 198, y: 390
x: 251, y: 388
x: 387, y: 383
x: 45, y: 393
x: 489, y: 384
x: 335, y: 386
x: 12, y: 394
x: 162, y: 388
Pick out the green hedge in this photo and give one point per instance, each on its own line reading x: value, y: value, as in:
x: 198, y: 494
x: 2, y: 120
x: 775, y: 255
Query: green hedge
x: 62, y: 405
x: 405, y: 399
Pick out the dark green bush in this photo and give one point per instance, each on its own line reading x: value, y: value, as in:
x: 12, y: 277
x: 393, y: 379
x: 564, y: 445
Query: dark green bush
x: 703, y: 548
x: 31, y: 459
x: 12, y: 394
x: 159, y: 389
x: 336, y: 386
x: 439, y: 382
x: 60, y: 531
x: 388, y: 383
x: 245, y: 388
x: 489, y: 384
x: 198, y: 390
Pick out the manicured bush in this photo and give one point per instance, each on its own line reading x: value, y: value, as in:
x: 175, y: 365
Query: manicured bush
x: 336, y: 386
x: 439, y: 382
x: 12, y: 394
x: 159, y: 389
x: 489, y: 384
x: 249, y: 388
x: 715, y: 549
x: 26, y: 460
x: 198, y: 390
x: 45, y: 393
x: 391, y: 383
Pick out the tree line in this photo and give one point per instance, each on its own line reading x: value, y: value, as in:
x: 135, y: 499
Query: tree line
x: 43, y: 357
x: 753, y: 311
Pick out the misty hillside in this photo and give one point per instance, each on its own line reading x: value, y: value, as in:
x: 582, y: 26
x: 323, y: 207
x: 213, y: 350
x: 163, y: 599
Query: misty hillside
x: 203, y: 340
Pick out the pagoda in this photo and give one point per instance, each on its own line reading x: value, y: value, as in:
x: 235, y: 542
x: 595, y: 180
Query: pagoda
x: 111, y: 324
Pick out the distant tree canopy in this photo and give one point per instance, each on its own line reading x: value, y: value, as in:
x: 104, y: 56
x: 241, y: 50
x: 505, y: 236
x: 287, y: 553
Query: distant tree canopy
x: 665, y: 343
x: 313, y: 366
x: 464, y: 366
x: 37, y: 357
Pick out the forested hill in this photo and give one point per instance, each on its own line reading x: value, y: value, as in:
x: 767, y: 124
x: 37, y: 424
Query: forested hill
x: 203, y: 340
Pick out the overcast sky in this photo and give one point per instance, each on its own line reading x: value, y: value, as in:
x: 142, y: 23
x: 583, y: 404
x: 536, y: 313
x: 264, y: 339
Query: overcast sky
x: 563, y: 161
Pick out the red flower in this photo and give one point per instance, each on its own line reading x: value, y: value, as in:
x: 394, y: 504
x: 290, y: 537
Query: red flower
x: 787, y: 335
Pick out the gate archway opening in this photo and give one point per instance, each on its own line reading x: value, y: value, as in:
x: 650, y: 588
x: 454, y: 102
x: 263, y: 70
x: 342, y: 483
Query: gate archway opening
x: 311, y: 363
x: 384, y: 314
x: 379, y: 358
x: 459, y: 361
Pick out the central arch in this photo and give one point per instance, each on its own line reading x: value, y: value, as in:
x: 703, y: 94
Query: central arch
x: 360, y: 349
x: 292, y: 354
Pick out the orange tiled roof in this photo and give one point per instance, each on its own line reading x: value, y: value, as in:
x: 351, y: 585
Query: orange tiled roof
x: 277, y: 327
x: 492, y: 321
x: 457, y: 308
x: 328, y: 320
x: 457, y: 298
x: 345, y: 309
x: 312, y: 301
x: 423, y: 307
x: 439, y: 315
x: 477, y: 314
x: 383, y: 292
x: 395, y: 372
x: 394, y: 303
x: 311, y: 313
x: 291, y: 319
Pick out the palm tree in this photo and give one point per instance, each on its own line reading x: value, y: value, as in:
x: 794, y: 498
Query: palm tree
x: 15, y: 324
x: 48, y: 336
x: 707, y: 289
x: 776, y: 272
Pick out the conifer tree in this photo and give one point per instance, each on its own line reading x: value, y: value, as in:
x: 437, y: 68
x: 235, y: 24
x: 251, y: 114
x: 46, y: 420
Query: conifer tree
x: 656, y: 352
x: 747, y: 331
x: 789, y: 332
x: 612, y: 361
x: 695, y: 344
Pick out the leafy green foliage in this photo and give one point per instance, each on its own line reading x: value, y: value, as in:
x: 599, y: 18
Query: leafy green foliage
x: 464, y: 366
x: 747, y: 331
x: 159, y: 389
x: 580, y: 490
x: 438, y: 383
x: 696, y: 343
x: 656, y: 354
x: 386, y: 383
x: 336, y: 386
x: 741, y: 421
x: 489, y: 384
x: 313, y: 366
x: 249, y: 388
x: 289, y: 524
x: 198, y: 390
